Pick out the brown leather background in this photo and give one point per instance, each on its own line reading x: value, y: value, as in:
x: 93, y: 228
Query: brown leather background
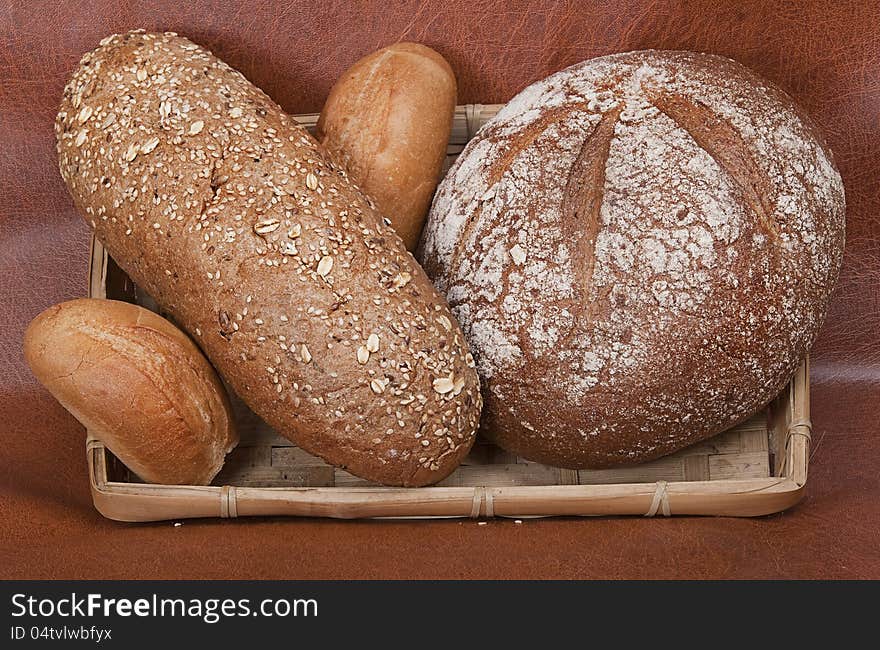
x: 826, y: 54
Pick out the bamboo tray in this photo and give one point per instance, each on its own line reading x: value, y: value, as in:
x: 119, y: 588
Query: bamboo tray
x: 756, y: 468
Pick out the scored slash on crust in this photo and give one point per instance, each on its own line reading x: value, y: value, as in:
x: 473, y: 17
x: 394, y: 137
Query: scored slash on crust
x: 724, y: 144
x: 583, y: 196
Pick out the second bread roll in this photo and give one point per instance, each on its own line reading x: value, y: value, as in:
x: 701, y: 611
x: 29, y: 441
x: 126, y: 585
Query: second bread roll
x: 388, y: 119
x: 138, y: 384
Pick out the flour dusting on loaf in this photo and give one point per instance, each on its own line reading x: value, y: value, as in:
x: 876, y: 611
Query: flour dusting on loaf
x: 640, y: 250
x: 241, y: 226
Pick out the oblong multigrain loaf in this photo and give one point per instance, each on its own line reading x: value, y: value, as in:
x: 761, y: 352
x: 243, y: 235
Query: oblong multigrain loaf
x: 640, y: 249
x: 388, y: 119
x: 138, y: 384
x: 235, y: 220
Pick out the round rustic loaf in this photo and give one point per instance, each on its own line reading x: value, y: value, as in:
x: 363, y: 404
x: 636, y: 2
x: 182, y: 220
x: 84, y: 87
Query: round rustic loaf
x: 240, y: 225
x: 640, y: 250
x: 138, y: 384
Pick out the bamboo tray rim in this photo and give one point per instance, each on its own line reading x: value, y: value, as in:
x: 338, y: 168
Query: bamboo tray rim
x: 139, y: 502
x: 487, y: 501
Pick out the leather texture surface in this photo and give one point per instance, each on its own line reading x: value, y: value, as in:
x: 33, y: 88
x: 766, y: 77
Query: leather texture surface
x: 827, y: 55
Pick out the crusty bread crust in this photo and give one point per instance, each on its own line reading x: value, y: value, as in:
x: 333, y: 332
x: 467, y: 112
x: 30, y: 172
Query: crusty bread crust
x: 237, y: 222
x: 640, y: 250
x: 388, y: 119
x: 138, y: 384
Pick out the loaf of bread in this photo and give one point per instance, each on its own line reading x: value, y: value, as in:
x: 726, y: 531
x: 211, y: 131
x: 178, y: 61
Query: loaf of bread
x: 640, y: 250
x: 239, y: 225
x: 388, y: 119
x: 138, y: 384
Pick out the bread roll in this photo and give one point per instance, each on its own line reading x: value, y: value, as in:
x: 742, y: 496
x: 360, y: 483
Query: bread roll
x: 640, y: 250
x: 239, y: 225
x: 388, y: 119
x: 138, y: 384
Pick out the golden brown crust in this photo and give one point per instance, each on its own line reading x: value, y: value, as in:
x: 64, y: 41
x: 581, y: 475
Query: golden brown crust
x: 238, y: 223
x: 138, y: 384
x: 388, y: 118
